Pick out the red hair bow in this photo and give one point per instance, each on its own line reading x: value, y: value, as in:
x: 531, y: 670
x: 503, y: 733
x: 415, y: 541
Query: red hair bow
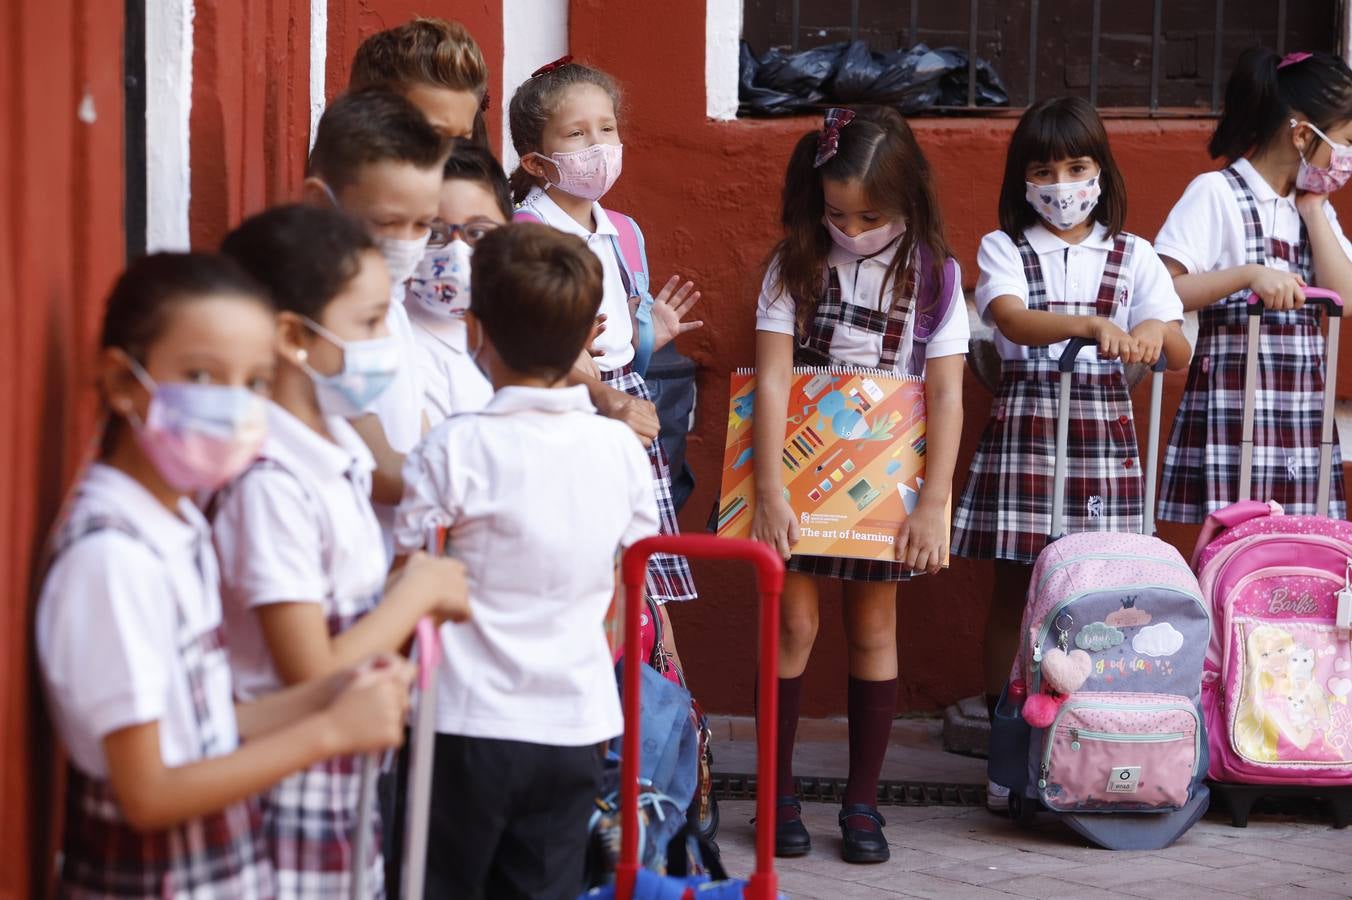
x: 550, y: 67
x: 829, y: 140
x: 486, y: 102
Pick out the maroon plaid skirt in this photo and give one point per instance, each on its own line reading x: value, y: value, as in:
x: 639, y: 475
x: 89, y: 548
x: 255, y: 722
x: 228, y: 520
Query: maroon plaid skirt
x: 1005, y: 509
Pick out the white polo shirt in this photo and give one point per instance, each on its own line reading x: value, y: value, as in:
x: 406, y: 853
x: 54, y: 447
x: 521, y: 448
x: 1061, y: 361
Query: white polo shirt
x: 451, y: 381
x: 400, y: 406
x: 1073, y: 271
x: 862, y: 284
x: 618, y: 339
x: 297, y: 528
x: 1205, y: 230
x: 539, y: 494
x: 108, y: 624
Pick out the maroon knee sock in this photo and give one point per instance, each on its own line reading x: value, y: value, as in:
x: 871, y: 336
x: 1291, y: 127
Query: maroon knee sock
x: 872, y: 705
x: 790, y: 698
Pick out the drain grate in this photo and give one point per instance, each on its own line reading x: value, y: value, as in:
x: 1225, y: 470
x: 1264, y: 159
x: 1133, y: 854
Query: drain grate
x: 832, y: 790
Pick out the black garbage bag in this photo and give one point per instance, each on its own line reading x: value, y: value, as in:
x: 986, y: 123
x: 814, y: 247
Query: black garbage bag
x: 855, y: 76
x: 909, y: 79
x: 990, y: 90
x: 759, y: 100
x: 799, y: 73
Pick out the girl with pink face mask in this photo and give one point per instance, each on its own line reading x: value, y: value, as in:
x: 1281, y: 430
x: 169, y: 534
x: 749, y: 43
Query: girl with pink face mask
x: 862, y: 277
x: 565, y: 129
x: 1263, y: 225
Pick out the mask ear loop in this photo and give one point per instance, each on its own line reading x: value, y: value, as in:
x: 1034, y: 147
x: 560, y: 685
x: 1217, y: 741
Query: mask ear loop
x: 549, y: 183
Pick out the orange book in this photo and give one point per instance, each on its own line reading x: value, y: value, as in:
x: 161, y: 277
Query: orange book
x: 852, y: 463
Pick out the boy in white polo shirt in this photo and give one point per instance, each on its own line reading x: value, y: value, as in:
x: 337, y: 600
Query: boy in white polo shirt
x: 538, y: 494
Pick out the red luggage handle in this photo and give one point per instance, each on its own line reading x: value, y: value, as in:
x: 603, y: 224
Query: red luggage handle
x: 770, y: 582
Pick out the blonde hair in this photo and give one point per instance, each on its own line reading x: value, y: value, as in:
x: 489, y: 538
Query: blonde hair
x: 1255, y: 730
x: 423, y: 51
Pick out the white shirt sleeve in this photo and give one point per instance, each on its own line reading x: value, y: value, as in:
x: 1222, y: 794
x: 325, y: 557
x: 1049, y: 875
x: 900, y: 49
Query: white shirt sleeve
x: 1153, y: 294
x: 645, y: 522
x: 106, y: 645
x: 431, y: 495
x: 1332, y: 215
x: 1001, y: 273
x: 775, y: 310
x: 954, y: 332
x: 270, y: 541
x: 1194, y: 233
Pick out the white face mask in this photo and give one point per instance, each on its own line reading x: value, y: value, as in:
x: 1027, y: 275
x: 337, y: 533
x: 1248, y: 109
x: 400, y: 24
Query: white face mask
x: 1064, y: 205
x: 441, y: 282
x: 402, y: 256
x: 368, y: 369
x: 866, y: 243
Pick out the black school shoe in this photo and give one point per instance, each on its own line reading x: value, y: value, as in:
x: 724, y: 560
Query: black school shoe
x: 863, y: 845
x: 791, y: 837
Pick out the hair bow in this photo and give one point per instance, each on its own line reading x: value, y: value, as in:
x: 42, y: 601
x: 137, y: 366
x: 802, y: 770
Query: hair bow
x: 550, y: 67
x: 486, y: 103
x: 1291, y: 59
x: 829, y: 140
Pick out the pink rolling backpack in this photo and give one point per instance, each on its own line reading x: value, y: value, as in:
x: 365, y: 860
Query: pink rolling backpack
x: 1277, y: 690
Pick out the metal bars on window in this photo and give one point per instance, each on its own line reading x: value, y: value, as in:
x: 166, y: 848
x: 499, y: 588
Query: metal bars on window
x: 1158, y: 43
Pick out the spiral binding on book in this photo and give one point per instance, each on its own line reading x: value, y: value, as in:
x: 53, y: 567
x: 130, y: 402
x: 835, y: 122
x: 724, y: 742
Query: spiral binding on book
x: 844, y: 371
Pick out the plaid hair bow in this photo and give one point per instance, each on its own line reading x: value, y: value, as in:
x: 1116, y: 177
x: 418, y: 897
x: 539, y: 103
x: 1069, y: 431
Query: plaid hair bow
x: 829, y: 140
x: 550, y: 67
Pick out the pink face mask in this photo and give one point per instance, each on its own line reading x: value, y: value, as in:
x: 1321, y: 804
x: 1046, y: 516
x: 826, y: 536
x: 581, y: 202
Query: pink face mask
x: 588, y: 173
x: 1320, y: 179
x: 866, y: 243
x: 199, y: 436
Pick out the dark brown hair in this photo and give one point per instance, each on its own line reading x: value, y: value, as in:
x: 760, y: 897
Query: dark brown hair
x: 304, y: 255
x: 536, y: 101
x: 536, y: 291
x: 879, y: 151
x: 1055, y: 129
x: 373, y: 126
x: 422, y: 51
x: 470, y: 162
x: 1260, y: 97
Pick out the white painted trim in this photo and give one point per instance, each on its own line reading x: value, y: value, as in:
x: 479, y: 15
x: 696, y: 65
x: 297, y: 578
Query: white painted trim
x: 1347, y: 32
x: 169, y: 30
x: 319, y: 60
x: 722, y: 37
x: 534, y: 32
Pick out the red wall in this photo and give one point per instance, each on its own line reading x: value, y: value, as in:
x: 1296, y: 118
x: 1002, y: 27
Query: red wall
x: 60, y: 247
x: 707, y: 194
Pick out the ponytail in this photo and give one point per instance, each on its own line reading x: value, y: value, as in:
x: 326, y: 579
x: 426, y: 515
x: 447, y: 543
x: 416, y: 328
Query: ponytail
x: 521, y: 183
x: 1264, y: 91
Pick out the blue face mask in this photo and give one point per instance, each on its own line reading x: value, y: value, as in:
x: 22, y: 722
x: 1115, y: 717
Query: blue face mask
x: 369, y: 367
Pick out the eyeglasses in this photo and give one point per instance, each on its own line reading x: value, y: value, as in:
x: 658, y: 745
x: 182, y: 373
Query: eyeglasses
x: 443, y: 232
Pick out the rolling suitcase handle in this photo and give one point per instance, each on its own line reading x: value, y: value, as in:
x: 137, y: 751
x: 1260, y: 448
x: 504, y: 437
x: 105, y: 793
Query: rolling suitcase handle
x: 770, y: 582
x: 1066, y: 366
x: 1332, y: 305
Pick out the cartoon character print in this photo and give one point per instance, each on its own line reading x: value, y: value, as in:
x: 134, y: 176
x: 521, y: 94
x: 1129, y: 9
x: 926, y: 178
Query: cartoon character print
x: 1268, y: 651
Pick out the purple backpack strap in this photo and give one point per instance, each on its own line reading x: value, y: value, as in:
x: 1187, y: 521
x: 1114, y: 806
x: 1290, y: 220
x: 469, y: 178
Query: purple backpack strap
x: 932, y: 306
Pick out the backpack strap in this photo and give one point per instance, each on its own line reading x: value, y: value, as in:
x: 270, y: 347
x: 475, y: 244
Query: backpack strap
x: 632, y: 255
x: 933, y: 306
x: 523, y: 214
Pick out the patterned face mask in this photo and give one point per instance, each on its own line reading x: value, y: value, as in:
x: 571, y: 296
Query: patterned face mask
x: 1324, y: 179
x: 588, y: 173
x: 1064, y: 205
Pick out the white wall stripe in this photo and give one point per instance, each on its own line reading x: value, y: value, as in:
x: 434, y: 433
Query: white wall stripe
x: 527, y: 48
x: 722, y: 34
x: 169, y: 30
x: 319, y: 59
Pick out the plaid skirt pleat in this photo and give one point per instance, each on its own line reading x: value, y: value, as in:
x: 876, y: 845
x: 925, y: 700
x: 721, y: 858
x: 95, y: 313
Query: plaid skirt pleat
x: 222, y: 854
x: 310, y: 822
x: 669, y: 577
x: 1201, y: 463
x: 849, y: 569
x: 1005, y: 508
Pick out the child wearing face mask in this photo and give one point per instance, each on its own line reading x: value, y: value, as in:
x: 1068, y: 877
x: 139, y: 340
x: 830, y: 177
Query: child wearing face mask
x: 303, y: 573
x: 475, y: 199
x: 164, y: 764
x: 1262, y: 225
x: 565, y: 129
x: 1060, y: 267
x: 378, y: 159
x: 863, y: 277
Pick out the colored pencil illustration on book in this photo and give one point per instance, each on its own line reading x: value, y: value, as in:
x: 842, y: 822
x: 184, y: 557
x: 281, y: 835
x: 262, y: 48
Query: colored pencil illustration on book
x: 853, y: 459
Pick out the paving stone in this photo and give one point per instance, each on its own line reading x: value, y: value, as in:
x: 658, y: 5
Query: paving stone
x: 992, y: 870
x: 1297, y: 892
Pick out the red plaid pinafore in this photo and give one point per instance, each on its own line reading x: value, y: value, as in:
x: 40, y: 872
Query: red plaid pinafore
x: 814, y: 349
x: 1005, y: 510
x: 221, y: 854
x: 1201, y: 463
x: 669, y: 577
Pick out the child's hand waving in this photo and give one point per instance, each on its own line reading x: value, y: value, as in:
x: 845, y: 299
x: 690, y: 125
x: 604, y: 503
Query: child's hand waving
x: 669, y: 307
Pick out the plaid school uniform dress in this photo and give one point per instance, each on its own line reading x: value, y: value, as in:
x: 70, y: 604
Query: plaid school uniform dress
x: 668, y: 577
x: 220, y: 854
x: 814, y: 349
x: 310, y: 817
x: 1201, y: 463
x: 1006, y: 508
